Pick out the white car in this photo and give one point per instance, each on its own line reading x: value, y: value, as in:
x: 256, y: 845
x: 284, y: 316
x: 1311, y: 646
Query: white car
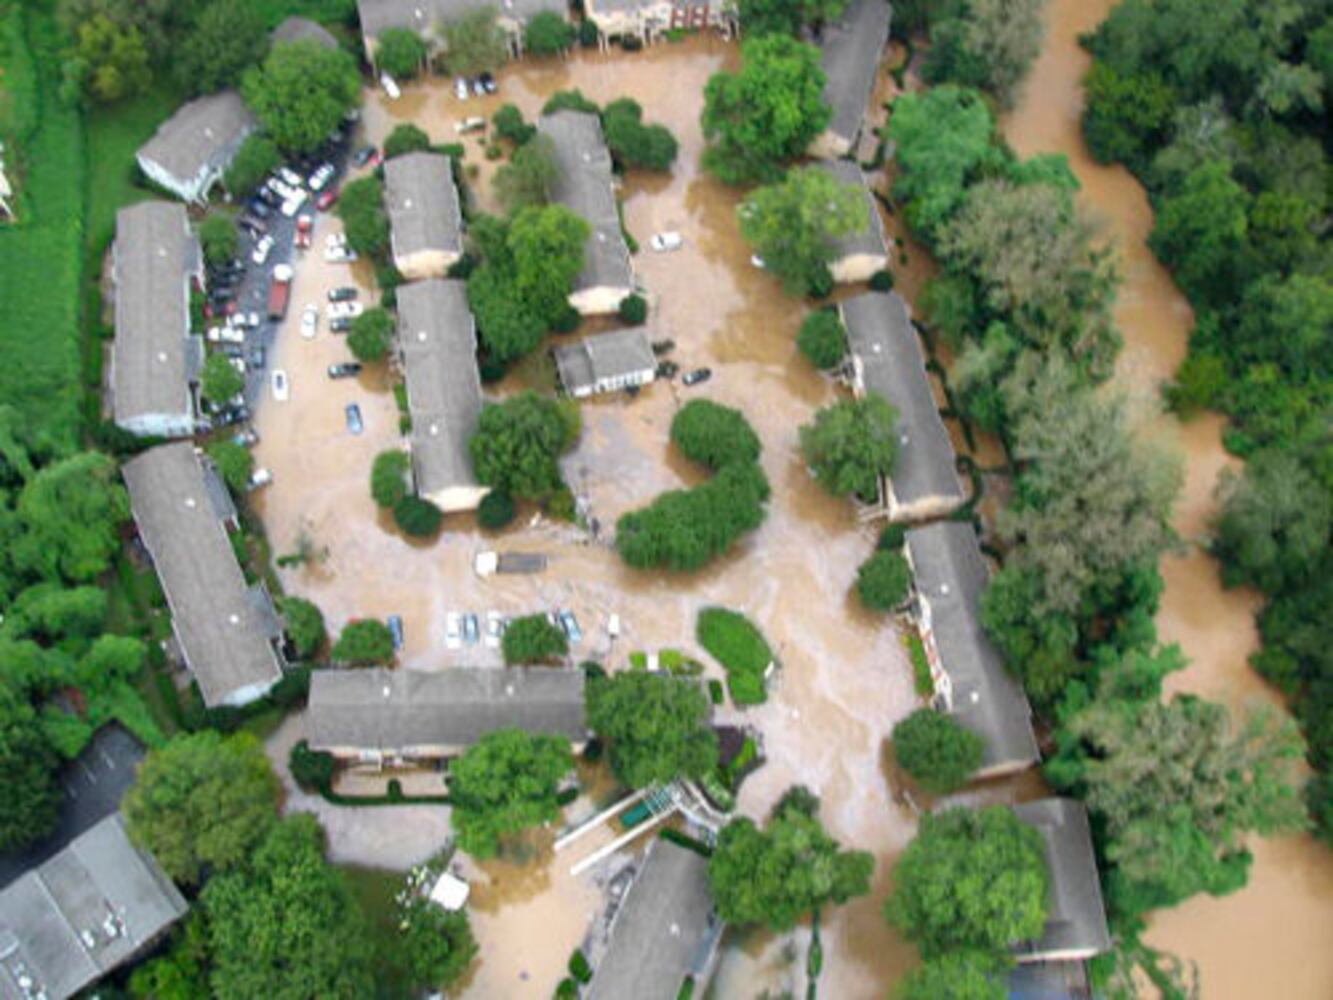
x: 473, y: 124
x: 260, y: 477
x: 494, y: 629
x: 461, y: 89
x: 345, y: 310
x: 339, y: 254
x: 238, y: 364
x: 244, y: 320
x: 293, y: 204
x: 226, y: 335
x: 664, y: 242
x: 390, y: 86
x: 281, y: 389
x: 453, y: 631
x: 262, y: 249
x: 289, y: 175
x: 757, y: 261
x: 322, y: 176
x: 309, y: 321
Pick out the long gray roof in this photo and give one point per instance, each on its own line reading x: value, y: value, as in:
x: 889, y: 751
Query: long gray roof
x: 395, y: 710
x: 302, y: 29
x: 154, y: 255
x: 889, y: 361
x: 951, y: 576
x: 195, y: 135
x: 604, y: 356
x: 1076, y: 916
x: 221, y: 632
x: 82, y: 913
x: 422, y: 203
x: 850, y: 51
x: 425, y: 16
x: 585, y: 187
x: 869, y: 239
x: 438, y: 340
x: 660, y: 930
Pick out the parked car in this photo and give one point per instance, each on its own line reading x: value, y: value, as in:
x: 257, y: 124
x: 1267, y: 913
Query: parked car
x: 340, y: 324
x: 662, y: 346
x: 494, y: 629
x: 281, y: 390
x: 305, y: 227
x: 461, y: 90
x: 268, y: 197
x: 353, y: 414
x: 488, y: 82
x: 262, y: 249
x: 571, y: 626
x: 478, y: 88
x: 293, y: 204
x: 345, y: 309
x: 362, y: 156
x: 290, y: 177
x: 309, y: 321
x: 326, y: 199
x: 453, y: 630
x: 232, y: 350
x: 343, y: 293
x: 345, y: 369
x: 697, y: 376
x: 258, y: 356
x: 667, y: 369
x: 473, y: 124
x: 260, y: 207
x: 664, y: 242
x: 470, y: 629
x: 255, y: 227
x: 237, y: 361
x: 258, y: 478
x: 336, y: 249
x: 225, y: 334
x: 245, y: 320
x: 246, y: 438
x: 322, y: 175
x: 390, y: 86
x: 395, y: 623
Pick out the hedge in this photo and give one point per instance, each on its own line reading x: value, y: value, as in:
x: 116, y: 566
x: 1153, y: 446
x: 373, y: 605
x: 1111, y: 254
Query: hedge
x: 740, y: 648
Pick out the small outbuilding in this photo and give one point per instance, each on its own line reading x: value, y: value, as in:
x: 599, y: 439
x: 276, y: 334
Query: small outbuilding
x: 851, y: 49
x: 586, y: 186
x: 860, y: 254
x: 425, y: 218
x: 193, y: 148
x: 606, y: 362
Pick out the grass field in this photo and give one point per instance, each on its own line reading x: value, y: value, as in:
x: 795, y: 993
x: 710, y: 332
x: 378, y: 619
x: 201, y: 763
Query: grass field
x: 114, y: 134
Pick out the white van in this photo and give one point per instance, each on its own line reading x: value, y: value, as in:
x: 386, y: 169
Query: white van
x: 390, y: 86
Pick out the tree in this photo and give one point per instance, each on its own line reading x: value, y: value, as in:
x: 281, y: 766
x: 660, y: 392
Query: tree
x: 1273, y: 530
x: 570, y: 100
x: 182, y: 972
x: 508, y: 123
x: 508, y: 326
x: 287, y: 926
x: 30, y: 795
x: 235, y: 462
x: 312, y: 770
x: 518, y: 443
x: 110, y: 60
x: 794, y: 225
x: 255, y: 160
x: 364, y: 641
x: 504, y: 783
x: 823, y: 339
x: 766, y: 17
x: 361, y: 209
x: 883, y: 580
x: 851, y: 444
x: 533, y: 639
x: 714, y: 435
x: 496, y: 510
x: 475, y: 43
x: 50, y: 612
x: 417, y: 516
x: 767, y: 113
x: 217, y: 236
x: 634, y: 144
x: 656, y: 725
x: 971, y: 879
x: 219, y: 380
x: 71, y: 513
x: 304, y: 625
x: 936, y: 751
x: 958, y: 975
x: 777, y: 875
x: 1200, y: 233
x: 1125, y: 115
x: 371, y: 334
x: 202, y: 803
x: 548, y: 34
x: 437, y: 945
x: 405, y: 138
x: 225, y: 40
x: 547, y: 246
x: 301, y: 93
x: 986, y: 43
x: 527, y: 178
x: 400, y: 52
x: 388, y: 477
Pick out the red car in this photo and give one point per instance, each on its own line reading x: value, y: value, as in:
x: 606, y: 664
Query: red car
x: 326, y: 200
x: 304, y: 230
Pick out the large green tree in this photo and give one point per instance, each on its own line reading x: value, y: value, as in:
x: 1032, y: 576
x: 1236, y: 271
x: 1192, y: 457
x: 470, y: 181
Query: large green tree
x: 656, y: 725
x: 970, y: 879
x: 371, y: 334
x: 202, y: 803
x: 851, y: 444
x: 301, y: 93
x: 518, y: 443
x: 218, y: 238
x: 400, y: 52
x: 777, y: 875
x: 110, y: 61
x: 936, y: 751
x: 234, y: 462
x: 437, y: 945
x: 71, y: 513
x: 766, y: 114
x: 527, y: 178
x: 476, y: 43
x: 505, y: 783
x: 548, y: 33
x: 1200, y: 232
x: 225, y: 40
x: 219, y: 380
x: 389, y: 476
x: 714, y: 435
x: 30, y: 794
x: 547, y: 247
x: 958, y: 975
x: 361, y: 209
x: 304, y: 624
x: 364, y: 641
x: 533, y: 639
x: 254, y: 161
x: 405, y: 138
x: 767, y: 17
x: 634, y: 144
x: 985, y: 43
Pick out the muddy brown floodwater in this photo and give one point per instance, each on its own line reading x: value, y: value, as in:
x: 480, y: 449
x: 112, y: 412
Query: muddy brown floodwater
x: 1271, y: 939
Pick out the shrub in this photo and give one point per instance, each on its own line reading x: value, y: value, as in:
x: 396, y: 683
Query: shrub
x: 366, y: 640
x: 715, y: 692
x: 883, y: 580
x: 400, y: 52
x: 235, y: 462
x: 740, y: 648
x: 405, y: 138
x: 579, y: 968
x: 388, y: 477
x: 567, y: 321
x: 569, y: 100
x: 533, y: 639
x: 714, y: 435
x: 892, y: 537
x: 588, y: 33
x: 371, y: 334
x: 508, y: 124
x: 312, y: 769
x: 560, y: 505
x: 218, y: 238
x: 823, y: 339
x: 634, y: 309
x: 417, y: 516
x: 496, y: 510
x: 548, y: 34
x: 936, y: 751
x: 634, y: 144
x: 881, y: 281
x: 305, y: 624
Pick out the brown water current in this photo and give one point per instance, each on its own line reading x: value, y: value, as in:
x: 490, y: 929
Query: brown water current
x: 1272, y: 938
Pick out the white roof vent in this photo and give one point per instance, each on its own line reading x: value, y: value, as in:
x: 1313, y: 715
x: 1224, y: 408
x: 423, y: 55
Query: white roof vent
x: 88, y: 938
x: 509, y: 690
x: 162, y: 356
x: 944, y: 588
x: 407, y: 203
x: 675, y: 929
x: 234, y: 618
x: 189, y: 502
x: 386, y: 691
x: 421, y: 336
x: 976, y: 697
x: 434, y: 429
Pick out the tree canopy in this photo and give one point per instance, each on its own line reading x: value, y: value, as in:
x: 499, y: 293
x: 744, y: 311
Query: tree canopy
x: 984, y: 43
x: 503, y: 784
x: 527, y: 178
x: 518, y: 443
x: 823, y: 339
x: 371, y: 334
x: 958, y: 975
x: 850, y: 444
x: 400, y: 52
x: 388, y: 477
x: 361, y: 208
x: 219, y: 380
x: 364, y: 641
x: 304, y: 624
x: 766, y: 17
x: 254, y: 161
x: 656, y: 725
x: 30, y: 795
x: 936, y: 751
x: 548, y: 33
x: 533, y: 639
x: 70, y: 514
x: 547, y: 246
x: 225, y: 40
x: 634, y: 144
x: 405, y: 138
x: 218, y: 238
x: 475, y: 43
x: 714, y: 435
x: 301, y: 92
x: 235, y: 463
x: 884, y: 580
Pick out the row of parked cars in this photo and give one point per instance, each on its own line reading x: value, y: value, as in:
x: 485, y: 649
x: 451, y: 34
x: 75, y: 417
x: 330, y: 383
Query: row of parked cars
x: 464, y: 628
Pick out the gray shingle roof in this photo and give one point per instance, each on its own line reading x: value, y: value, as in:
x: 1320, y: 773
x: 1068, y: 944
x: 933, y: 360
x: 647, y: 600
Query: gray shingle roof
x: 850, y: 51
x: 1076, y: 916
x: 870, y: 238
x: 403, y: 710
x: 428, y: 15
x: 422, y: 203
x: 889, y: 361
x: 302, y: 29
x: 198, y: 133
x: 951, y: 576
x: 585, y: 187
x: 154, y: 255
x: 100, y: 883
x: 438, y: 341
x: 221, y: 634
x: 604, y: 356
x: 660, y: 929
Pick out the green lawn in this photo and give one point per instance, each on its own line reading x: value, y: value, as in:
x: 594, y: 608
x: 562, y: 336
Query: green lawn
x: 741, y: 648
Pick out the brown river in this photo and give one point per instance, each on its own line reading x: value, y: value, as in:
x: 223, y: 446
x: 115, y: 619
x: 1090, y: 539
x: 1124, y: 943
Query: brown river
x: 845, y: 678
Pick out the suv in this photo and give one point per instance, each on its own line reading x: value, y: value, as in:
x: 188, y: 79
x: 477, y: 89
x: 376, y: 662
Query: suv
x: 345, y: 369
x: 697, y: 376
x: 343, y: 294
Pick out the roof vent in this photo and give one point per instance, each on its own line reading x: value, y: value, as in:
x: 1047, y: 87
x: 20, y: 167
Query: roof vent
x: 675, y: 929
x: 407, y: 203
x: 976, y: 697
x: 162, y: 356
x: 88, y: 938
x: 234, y: 618
x: 189, y: 502
x: 386, y: 690
x: 208, y: 131
x: 421, y: 336
x: 509, y: 690
x: 944, y: 588
x: 434, y: 429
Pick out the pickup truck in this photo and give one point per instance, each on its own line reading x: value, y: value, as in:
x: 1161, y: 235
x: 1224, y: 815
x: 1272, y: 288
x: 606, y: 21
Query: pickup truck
x: 279, y: 291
